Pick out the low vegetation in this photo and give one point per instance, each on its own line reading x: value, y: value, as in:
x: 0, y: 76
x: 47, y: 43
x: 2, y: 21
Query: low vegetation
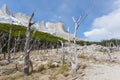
x: 113, y: 42
x: 39, y: 35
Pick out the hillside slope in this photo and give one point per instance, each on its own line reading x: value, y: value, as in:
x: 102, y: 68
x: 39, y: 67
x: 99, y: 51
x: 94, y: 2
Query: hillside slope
x: 39, y: 35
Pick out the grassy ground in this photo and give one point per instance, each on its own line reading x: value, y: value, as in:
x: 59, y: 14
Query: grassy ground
x: 43, y: 66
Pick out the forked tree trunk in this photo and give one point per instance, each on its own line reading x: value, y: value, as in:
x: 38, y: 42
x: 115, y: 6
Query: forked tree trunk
x: 74, y: 66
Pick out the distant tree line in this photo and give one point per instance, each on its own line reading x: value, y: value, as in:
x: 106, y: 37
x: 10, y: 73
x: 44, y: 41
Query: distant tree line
x: 112, y: 42
x: 41, y: 39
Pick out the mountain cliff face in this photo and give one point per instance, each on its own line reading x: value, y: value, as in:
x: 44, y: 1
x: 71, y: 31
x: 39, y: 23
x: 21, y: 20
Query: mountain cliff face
x: 5, y: 12
x: 23, y: 18
x: 6, y: 16
x: 56, y: 29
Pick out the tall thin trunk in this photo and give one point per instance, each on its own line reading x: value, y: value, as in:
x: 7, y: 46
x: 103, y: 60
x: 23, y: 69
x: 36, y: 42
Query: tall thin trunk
x: 27, y: 61
x: 75, y: 65
x: 17, y: 41
x: 9, y: 41
x: 63, y: 55
x: 69, y: 45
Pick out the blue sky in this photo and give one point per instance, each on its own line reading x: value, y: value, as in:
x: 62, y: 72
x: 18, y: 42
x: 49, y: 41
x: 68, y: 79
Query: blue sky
x: 63, y: 10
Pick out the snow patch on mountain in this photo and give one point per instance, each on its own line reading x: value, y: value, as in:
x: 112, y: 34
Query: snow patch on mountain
x: 23, y: 18
x: 5, y: 12
x: 56, y: 29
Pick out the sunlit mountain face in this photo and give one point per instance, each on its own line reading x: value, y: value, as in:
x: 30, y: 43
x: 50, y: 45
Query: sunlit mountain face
x: 56, y: 29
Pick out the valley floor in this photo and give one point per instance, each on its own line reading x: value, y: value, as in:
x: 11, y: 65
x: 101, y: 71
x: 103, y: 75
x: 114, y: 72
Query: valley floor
x: 47, y: 66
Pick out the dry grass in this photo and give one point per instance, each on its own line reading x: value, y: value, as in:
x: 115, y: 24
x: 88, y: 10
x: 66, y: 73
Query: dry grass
x: 66, y: 74
x: 9, y: 71
x: 63, y: 69
x: 82, y: 65
x: 39, y: 68
x: 14, y: 76
x: 82, y: 56
x: 49, y: 69
x: 2, y: 63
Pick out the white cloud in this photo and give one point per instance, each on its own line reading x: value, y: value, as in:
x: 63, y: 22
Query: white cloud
x: 116, y: 4
x: 106, y: 26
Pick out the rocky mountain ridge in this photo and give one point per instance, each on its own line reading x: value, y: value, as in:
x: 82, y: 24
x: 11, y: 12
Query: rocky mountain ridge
x: 56, y: 29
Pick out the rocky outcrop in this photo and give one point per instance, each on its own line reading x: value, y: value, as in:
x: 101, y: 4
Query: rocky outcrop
x: 23, y: 18
x: 56, y: 29
x: 5, y: 11
x: 7, y: 16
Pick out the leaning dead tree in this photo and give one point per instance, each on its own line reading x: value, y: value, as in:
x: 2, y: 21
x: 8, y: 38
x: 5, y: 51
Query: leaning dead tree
x: 27, y: 61
x: 74, y: 63
x: 9, y: 41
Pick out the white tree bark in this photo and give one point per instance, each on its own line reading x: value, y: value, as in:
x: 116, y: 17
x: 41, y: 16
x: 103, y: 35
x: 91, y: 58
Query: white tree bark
x: 74, y: 66
x: 63, y: 55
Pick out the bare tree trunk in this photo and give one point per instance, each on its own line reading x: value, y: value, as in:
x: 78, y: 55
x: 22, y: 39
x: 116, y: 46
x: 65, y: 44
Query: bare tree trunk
x: 63, y: 55
x: 3, y: 43
x: 57, y: 48
x: 9, y: 41
x: 27, y: 60
x: 75, y: 65
x: 16, y: 43
x: 15, y: 46
x: 2, y: 49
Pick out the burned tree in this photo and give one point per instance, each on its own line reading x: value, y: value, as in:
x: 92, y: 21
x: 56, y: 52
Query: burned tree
x: 27, y: 61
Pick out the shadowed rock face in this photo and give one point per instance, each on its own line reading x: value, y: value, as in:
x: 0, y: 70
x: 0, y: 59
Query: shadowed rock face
x: 56, y: 29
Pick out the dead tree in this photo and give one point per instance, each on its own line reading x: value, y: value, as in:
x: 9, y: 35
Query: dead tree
x: 69, y: 42
x: 17, y: 41
x: 9, y: 41
x: 107, y: 51
x: 57, y: 47
x: 3, y: 42
x: 75, y: 65
x: 63, y: 55
x: 117, y: 45
x: 27, y: 61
